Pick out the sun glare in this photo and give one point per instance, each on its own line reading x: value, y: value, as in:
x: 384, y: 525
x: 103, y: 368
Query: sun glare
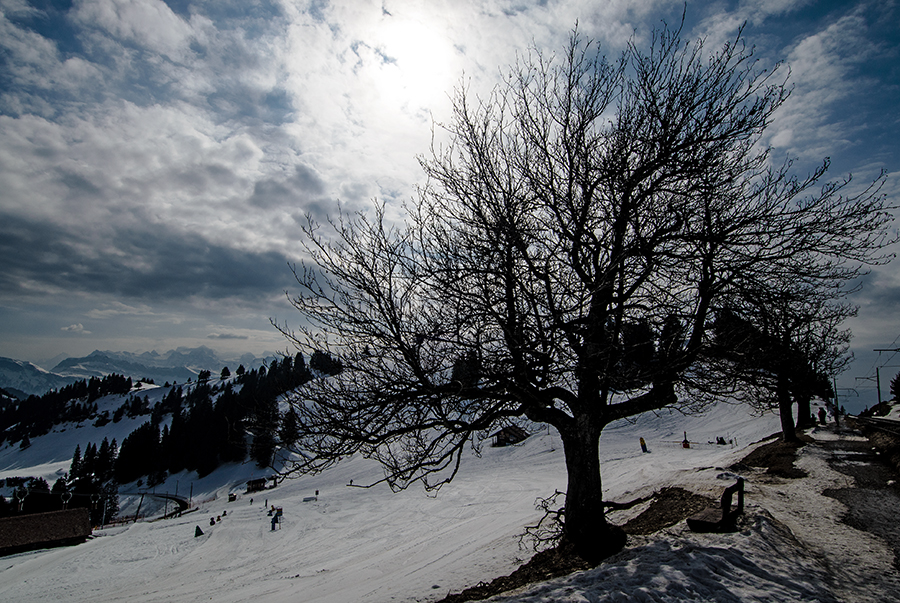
x: 417, y: 62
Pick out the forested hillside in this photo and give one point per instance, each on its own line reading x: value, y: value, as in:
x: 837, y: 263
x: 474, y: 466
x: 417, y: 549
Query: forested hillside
x: 196, y: 426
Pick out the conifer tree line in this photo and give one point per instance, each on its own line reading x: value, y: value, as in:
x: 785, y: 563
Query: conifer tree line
x: 36, y: 415
x: 90, y: 483
x: 212, y: 423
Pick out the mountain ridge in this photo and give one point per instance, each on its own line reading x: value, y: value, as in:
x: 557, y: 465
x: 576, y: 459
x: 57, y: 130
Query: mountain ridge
x: 23, y: 378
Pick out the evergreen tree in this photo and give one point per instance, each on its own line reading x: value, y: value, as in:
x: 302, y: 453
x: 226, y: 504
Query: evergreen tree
x: 231, y: 410
x: 75, y: 467
x: 106, y: 457
x: 289, y: 431
x: 301, y: 373
x: 324, y: 363
x: 89, y: 465
x: 262, y: 448
x: 139, y: 454
x: 38, y: 485
x: 60, y: 485
x: 895, y: 388
x: 174, y: 443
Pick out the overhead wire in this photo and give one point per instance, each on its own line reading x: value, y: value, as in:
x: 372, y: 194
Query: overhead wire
x: 871, y: 373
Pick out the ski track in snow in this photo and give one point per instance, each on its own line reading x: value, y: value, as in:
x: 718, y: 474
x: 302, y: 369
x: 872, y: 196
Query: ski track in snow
x: 372, y: 545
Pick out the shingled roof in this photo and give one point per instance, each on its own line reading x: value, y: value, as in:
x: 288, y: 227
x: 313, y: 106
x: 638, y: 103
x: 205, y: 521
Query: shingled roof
x: 511, y: 434
x: 43, y: 530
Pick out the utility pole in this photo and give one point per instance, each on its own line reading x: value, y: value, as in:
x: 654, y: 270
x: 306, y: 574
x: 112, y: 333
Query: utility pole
x: 878, y: 382
x: 877, y: 374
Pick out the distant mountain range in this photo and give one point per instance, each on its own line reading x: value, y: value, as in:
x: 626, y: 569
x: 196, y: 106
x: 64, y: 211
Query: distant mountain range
x: 22, y: 378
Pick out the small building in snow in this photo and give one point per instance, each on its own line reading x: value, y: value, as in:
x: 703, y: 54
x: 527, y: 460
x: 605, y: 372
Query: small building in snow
x: 509, y: 435
x: 43, y: 530
x: 256, y: 485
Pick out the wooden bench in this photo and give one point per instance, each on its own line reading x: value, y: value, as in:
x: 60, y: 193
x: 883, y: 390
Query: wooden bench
x: 724, y: 518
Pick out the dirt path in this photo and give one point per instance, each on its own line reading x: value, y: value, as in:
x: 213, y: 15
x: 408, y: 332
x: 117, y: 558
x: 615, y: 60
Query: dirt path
x: 835, y: 497
x: 873, y: 503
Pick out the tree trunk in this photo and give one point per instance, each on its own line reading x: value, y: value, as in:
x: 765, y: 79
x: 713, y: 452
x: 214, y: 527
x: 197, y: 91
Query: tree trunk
x: 804, y: 412
x: 788, y: 430
x: 585, y: 529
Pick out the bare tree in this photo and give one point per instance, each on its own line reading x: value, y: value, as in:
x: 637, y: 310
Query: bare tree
x: 782, y: 346
x: 563, y: 265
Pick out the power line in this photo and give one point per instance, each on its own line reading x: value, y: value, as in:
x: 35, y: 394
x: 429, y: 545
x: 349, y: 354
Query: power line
x: 878, y: 368
x: 875, y: 365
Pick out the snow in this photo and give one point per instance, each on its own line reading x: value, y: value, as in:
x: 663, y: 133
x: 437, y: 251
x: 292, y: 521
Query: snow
x: 372, y: 545
x: 52, y: 453
x: 894, y: 413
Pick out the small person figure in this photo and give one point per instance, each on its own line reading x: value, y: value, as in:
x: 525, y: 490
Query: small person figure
x: 212, y: 521
x: 251, y: 500
x: 643, y: 448
x: 685, y: 443
x: 822, y: 415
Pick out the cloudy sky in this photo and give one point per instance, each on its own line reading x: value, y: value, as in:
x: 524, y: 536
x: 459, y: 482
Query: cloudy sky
x: 157, y: 157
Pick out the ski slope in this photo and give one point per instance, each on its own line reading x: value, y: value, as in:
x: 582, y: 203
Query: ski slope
x: 372, y: 545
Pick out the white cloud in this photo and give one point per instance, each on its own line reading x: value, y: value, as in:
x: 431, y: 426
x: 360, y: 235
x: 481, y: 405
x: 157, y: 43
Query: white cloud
x: 822, y: 69
x: 76, y: 328
x: 116, y: 308
x: 34, y: 66
x: 150, y: 24
x: 18, y: 8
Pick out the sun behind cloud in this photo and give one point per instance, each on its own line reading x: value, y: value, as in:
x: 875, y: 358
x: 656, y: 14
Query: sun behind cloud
x: 416, y: 63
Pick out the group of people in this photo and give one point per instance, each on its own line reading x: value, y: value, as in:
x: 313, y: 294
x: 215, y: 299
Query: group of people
x: 214, y: 520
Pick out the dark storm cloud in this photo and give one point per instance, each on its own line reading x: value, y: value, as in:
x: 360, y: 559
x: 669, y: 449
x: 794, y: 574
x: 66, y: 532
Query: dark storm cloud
x: 198, y: 179
x: 150, y: 264
x: 225, y: 336
x: 180, y: 265
x: 303, y: 185
x: 250, y: 105
x: 77, y: 186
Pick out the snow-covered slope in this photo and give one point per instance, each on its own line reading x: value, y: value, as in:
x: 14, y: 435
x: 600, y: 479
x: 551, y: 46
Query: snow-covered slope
x: 339, y: 543
x: 18, y: 376
x: 49, y: 456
